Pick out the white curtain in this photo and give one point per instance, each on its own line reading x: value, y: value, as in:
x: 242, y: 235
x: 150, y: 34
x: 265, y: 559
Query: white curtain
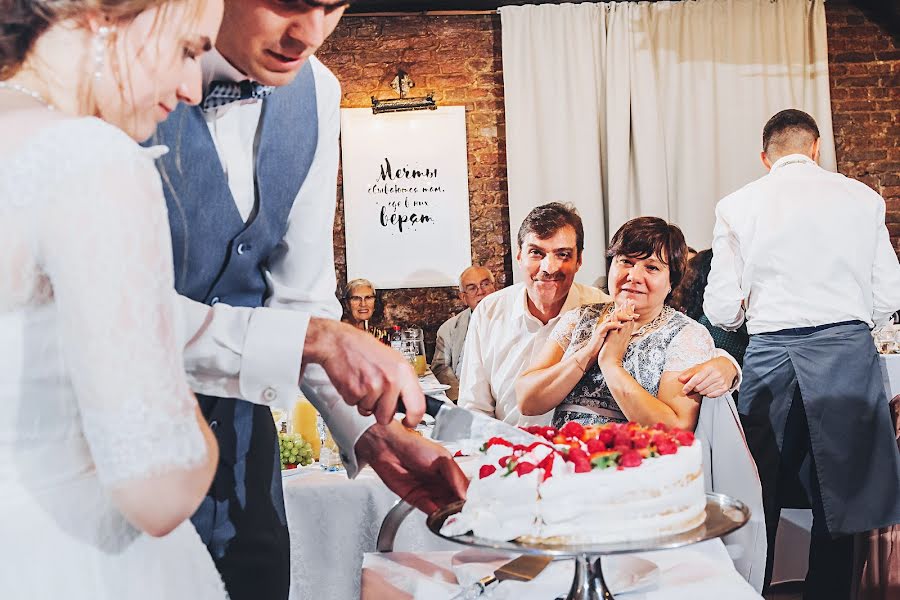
x: 634, y: 108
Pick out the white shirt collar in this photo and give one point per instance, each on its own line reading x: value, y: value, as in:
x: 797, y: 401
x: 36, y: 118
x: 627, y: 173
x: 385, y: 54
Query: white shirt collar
x: 217, y: 68
x: 792, y: 159
x: 573, y: 299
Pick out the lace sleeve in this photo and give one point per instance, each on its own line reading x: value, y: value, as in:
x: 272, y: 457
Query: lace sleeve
x: 562, y: 331
x: 106, y: 247
x: 690, y: 346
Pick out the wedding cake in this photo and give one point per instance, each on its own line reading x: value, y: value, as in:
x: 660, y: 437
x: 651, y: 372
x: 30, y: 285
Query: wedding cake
x: 586, y: 485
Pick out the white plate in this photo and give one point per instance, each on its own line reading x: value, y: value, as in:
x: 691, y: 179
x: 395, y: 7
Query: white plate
x: 629, y: 573
x: 435, y: 388
x: 295, y: 471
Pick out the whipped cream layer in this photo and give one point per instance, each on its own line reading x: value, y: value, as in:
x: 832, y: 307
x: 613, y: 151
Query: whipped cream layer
x: 662, y: 496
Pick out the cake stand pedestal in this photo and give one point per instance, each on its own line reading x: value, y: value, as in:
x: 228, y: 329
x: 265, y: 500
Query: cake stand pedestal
x: 723, y: 515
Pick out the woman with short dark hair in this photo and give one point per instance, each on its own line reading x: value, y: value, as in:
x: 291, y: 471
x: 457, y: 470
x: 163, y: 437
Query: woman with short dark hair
x: 620, y: 361
x: 688, y: 298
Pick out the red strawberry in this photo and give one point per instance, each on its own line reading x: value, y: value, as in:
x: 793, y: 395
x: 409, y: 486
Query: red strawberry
x: 665, y: 446
x: 576, y: 454
x: 549, y: 432
x: 582, y: 466
x: 572, y: 429
x: 495, y: 441
x: 607, y: 436
x: 640, y: 439
x: 685, y: 438
x: 486, y: 471
x: 502, y: 462
x: 524, y: 468
x: 623, y: 438
x: 630, y: 458
x: 595, y: 446
x: 458, y: 453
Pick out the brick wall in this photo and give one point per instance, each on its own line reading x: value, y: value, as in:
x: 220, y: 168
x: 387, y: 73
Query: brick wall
x: 458, y: 58
x: 864, y: 68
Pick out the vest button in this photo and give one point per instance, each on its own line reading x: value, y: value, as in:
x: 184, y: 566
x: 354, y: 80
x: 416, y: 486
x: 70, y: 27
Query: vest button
x: 242, y: 247
x: 215, y: 300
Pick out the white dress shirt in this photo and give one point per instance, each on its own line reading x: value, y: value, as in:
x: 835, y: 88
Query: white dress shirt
x: 502, y: 340
x: 255, y: 353
x: 801, y: 247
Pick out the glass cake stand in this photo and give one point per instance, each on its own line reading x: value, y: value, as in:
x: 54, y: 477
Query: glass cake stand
x: 723, y: 515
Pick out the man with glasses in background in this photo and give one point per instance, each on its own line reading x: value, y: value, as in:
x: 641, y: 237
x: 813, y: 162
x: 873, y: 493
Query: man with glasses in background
x: 475, y: 283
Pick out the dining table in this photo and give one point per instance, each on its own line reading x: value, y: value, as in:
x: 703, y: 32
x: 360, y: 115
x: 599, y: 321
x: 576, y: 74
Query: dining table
x: 333, y: 521
x: 702, y: 571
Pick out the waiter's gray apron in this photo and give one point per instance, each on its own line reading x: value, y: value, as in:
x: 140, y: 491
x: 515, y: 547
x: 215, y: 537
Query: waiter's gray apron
x: 851, y: 434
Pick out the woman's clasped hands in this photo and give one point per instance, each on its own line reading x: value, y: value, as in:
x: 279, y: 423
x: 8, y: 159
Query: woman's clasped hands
x: 610, y: 337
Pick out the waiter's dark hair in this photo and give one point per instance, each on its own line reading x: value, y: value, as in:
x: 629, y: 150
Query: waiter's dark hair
x: 545, y: 220
x: 645, y: 236
x: 788, y: 130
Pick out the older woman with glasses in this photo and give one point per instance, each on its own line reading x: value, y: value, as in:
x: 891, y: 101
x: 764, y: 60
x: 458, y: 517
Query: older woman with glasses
x: 362, y: 306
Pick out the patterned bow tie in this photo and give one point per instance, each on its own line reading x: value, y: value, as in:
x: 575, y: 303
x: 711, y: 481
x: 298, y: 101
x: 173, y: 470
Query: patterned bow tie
x: 225, y: 92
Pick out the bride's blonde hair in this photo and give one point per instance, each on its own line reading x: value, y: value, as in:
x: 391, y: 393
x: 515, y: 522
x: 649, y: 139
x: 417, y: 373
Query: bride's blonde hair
x: 22, y: 22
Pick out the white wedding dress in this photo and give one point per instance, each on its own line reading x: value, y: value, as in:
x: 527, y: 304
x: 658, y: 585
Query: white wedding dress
x: 92, y: 387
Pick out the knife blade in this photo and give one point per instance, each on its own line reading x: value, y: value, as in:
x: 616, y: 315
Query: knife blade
x: 452, y: 423
x: 523, y: 568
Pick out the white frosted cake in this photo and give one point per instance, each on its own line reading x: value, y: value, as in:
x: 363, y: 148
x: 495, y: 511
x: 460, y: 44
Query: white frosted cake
x: 586, y: 485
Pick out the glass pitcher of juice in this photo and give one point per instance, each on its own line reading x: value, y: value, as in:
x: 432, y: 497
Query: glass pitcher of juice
x: 303, y: 420
x: 414, y: 349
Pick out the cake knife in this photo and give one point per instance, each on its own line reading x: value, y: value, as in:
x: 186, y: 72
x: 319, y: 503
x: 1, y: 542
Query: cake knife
x: 523, y: 568
x: 452, y: 423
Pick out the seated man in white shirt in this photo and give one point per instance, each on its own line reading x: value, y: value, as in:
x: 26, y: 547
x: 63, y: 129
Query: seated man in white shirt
x: 474, y: 284
x: 804, y: 255
x: 512, y: 324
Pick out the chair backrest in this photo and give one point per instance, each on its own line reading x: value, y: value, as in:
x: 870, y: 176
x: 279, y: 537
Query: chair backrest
x: 729, y: 468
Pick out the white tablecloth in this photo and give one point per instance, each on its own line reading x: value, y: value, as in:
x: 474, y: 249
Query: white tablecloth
x: 890, y: 373
x: 333, y: 521
x: 701, y: 571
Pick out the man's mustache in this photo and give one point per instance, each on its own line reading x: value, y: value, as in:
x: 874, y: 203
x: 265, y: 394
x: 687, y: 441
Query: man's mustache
x: 548, y: 278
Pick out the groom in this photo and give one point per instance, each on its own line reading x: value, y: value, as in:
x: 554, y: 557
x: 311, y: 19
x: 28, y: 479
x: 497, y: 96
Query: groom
x: 250, y: 187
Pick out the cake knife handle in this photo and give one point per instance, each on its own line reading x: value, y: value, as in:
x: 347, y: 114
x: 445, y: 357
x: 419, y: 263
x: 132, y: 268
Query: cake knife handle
x: 476, y: 589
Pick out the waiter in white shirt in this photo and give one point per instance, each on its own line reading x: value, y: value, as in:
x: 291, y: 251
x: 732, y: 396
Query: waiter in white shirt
x: 804, y: 256
x: 250, y: 184
x: 510, y: 326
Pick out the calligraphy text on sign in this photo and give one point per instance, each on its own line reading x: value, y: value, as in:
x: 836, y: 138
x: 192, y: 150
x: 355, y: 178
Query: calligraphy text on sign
x: 396, y: 185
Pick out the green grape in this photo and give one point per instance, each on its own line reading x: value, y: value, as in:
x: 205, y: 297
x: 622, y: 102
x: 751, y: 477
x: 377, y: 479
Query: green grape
x: 294, y: 450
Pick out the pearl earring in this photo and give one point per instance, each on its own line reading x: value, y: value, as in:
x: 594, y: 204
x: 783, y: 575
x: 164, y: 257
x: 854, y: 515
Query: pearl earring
x: 100, y: 46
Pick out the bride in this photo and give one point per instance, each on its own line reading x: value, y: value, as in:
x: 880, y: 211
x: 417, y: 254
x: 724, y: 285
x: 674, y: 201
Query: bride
x: 103, y: 452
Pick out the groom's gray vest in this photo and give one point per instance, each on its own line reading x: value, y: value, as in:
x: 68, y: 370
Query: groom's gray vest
x: 220, y: 258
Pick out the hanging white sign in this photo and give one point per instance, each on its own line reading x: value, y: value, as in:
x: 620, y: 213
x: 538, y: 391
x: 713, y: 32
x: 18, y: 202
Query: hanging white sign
x: 406, y: 196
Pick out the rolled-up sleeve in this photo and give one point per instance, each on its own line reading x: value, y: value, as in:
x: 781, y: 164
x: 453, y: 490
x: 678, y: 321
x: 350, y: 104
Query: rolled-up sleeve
x: 723, y: 297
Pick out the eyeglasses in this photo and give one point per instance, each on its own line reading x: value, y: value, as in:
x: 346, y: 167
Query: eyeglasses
x: 361, y: 299
x: 486, y: 286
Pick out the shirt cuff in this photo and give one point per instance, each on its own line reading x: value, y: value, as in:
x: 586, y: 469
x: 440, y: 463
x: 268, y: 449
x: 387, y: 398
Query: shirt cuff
x: 739, y: 377
x: 272, y: 355
x: 344, y: 422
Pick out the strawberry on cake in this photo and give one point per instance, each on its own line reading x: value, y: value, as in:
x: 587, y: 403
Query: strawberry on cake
x: 594, y: 484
